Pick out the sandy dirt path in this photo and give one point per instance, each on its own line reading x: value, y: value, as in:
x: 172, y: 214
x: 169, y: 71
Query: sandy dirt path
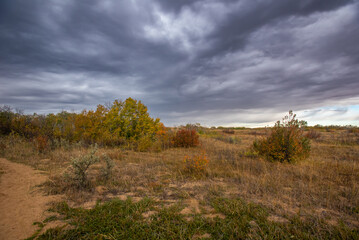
x: 21, y: 203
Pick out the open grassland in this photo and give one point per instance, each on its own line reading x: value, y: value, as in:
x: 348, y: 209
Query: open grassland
x: 238, y: 195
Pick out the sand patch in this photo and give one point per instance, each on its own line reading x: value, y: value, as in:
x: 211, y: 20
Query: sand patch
x: 21, y: 202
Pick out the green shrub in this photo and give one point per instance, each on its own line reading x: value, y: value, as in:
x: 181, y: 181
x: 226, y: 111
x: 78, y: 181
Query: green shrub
x: 107, y: 170
x: 79, y: 166
x: 286, y: 142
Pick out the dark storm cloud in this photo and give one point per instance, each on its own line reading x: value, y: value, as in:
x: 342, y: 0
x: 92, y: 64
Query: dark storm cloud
x: 77, y: 36
x: 234, y: 31
x: 187, y: 60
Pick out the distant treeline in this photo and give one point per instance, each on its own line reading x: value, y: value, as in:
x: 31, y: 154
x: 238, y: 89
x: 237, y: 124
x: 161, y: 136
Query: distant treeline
x: 122, y: 121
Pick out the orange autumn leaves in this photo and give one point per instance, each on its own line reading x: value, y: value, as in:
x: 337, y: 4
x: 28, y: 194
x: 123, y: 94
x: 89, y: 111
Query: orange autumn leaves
x: 121, y: 122
x: 286, y: 142
x: 125, y: 121
x: 186, y: 138
x: 197, y: 163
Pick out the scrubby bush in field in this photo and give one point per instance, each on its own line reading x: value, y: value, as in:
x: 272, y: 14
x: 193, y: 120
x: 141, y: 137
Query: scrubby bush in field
x: 354, y: 130
x: 194, y: 126
x: 348, y: 138
x: 6, y: 116
x: 107, y: 170
x: 41, y: 143
x: 79, y: 167
x: 286, y: 142
x: 228, y: 131
x: 186, y: 138
x: 312, y: 134
x: 227, y: 139
x: 197, y: 163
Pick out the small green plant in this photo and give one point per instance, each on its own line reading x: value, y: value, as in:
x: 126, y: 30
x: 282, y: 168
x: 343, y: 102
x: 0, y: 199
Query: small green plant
x: 79, y: 167
x: 107, y: 170
x: 286, y: 142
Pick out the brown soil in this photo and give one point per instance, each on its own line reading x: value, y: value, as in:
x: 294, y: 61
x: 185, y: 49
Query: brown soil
x: 21, y: 202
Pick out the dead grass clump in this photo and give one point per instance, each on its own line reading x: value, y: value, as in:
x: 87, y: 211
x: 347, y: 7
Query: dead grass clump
x: 20, y: 150
x: 113, y: 153
x: 312, y: 134
x: 228, y: 139
x: 354, y: 130
x: 348, y: 138
x: 228, y: 131
x: 258, y: 132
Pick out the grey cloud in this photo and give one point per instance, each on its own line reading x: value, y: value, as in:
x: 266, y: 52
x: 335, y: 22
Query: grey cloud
x: 232, y: 34
x: 195, y: 58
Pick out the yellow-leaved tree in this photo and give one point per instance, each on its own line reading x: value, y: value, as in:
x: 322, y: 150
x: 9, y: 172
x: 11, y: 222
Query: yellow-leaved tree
x: 130, y: 121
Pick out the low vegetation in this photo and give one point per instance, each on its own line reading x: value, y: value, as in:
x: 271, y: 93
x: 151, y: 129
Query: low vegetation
x: 191, y: 182
x: 186, y: 138
x: 78, y: 171
x: 118, y: 219
x: 196, y: 164
x: 286, y: 142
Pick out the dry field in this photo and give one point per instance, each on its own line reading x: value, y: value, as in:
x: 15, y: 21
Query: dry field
x: 322, y: 190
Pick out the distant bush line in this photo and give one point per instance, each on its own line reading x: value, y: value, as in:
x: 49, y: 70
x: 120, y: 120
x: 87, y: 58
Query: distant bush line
x: 122, y: 123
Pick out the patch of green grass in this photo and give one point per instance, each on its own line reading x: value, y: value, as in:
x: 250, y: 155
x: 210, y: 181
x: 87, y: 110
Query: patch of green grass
x: 119, y: 219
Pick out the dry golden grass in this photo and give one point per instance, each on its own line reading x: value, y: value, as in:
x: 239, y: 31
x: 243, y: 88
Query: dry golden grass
x: 326, y: 185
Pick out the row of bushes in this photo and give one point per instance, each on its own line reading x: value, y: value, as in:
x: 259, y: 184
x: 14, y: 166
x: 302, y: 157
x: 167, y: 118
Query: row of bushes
x: 128, y: 122
x: 123, y: 123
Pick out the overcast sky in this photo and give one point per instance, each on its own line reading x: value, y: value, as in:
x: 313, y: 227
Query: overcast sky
x: 224, y: 62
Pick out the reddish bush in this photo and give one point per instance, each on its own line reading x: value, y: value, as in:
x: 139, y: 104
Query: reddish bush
x: 312, y: 134
x: 228, y: 131
x: 186, y: 138
x: 41, y: 143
